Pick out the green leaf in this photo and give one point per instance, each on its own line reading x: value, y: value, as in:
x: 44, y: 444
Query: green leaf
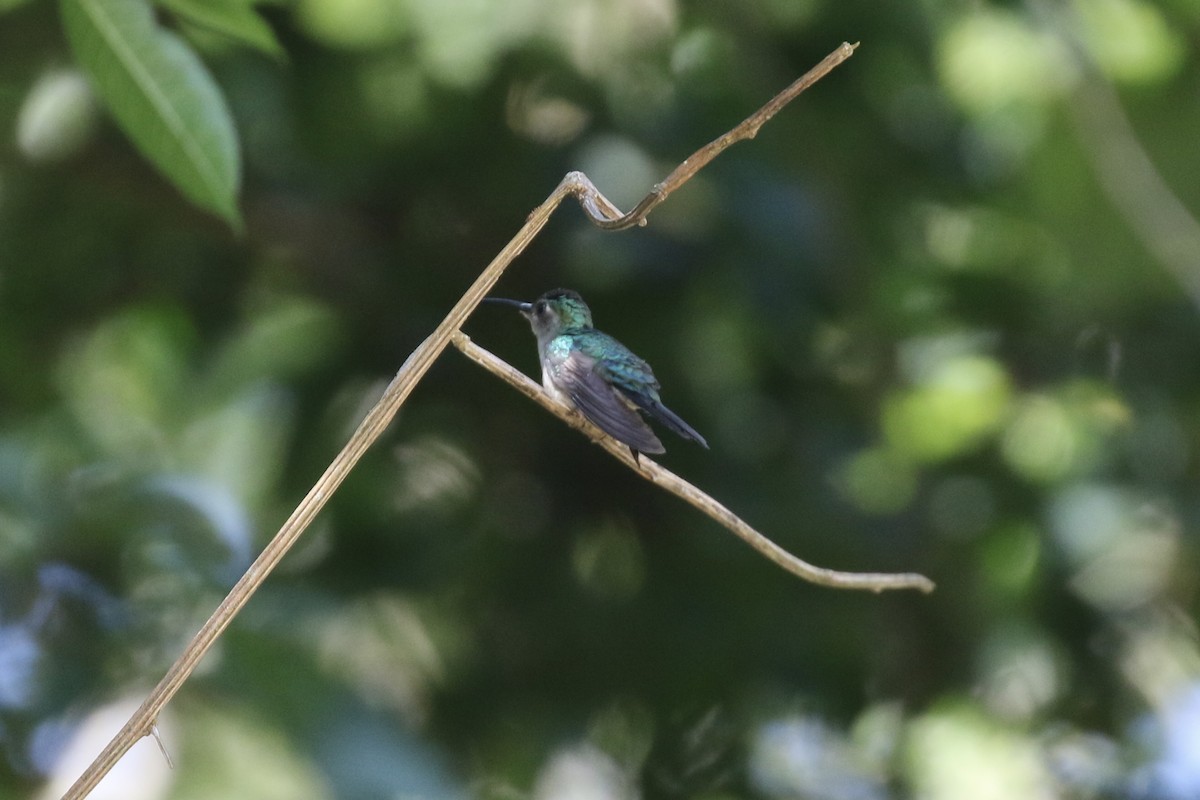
x: 236, y: 19
x: 161, y: 95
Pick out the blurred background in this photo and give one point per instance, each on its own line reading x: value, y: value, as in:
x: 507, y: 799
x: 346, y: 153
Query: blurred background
x: 942, y: 315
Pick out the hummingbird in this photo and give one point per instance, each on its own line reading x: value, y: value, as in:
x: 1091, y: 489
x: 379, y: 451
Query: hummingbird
x: 596, y: 374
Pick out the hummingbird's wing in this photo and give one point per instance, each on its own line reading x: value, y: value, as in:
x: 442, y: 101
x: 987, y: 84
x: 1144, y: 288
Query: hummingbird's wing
x: 603, y: 404
x: 634, y: 378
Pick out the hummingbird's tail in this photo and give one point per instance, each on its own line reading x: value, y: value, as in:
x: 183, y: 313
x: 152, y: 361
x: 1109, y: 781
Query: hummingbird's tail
x: 667, y: 417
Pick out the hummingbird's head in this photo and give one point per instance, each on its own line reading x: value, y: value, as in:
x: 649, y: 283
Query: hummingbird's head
x: 558, y: 310
x: 553, y: 312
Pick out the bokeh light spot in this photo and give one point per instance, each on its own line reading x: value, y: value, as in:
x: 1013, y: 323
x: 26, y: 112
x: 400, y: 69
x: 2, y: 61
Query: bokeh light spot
x: 959, y: 404
x: 956, y: 752
x: 57, y: 117
x: 608, y: 561
x: 1131, y: 40
x: 993, y: 59
x: 878, y: 481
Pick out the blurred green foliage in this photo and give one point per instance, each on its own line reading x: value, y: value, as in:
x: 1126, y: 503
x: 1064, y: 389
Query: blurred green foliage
x: 939, y: 316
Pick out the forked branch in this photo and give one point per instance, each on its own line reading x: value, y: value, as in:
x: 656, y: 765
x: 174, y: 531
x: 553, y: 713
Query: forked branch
x: 601, y: 212
x: 748, y: 129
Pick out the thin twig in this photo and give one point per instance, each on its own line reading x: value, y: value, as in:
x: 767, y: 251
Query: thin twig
x: 748, y: 129
x: 870, y: 581
x: 600, y: 211
x: 1136, y: 188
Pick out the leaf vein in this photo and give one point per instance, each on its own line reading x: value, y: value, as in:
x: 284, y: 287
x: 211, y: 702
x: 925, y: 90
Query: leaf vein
x: 158, y: 99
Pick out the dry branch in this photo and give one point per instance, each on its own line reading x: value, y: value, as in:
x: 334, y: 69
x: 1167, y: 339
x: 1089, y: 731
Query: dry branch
x: 601, y: 212
x: 653, y: 472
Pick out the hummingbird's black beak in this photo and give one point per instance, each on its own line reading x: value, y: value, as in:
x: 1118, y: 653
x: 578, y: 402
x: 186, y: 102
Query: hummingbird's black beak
x: 524, y: 308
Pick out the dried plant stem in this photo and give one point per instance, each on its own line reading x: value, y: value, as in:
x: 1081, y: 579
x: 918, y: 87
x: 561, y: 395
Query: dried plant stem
x: 601, y: 212
x: 372, y: 426
x: 651, y: 471
x: 1124, y: 168
x: 1135, y: 187
x: 748, y: 129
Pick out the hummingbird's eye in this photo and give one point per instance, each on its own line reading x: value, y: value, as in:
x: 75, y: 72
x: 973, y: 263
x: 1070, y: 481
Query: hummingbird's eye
x: 540, y: 308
